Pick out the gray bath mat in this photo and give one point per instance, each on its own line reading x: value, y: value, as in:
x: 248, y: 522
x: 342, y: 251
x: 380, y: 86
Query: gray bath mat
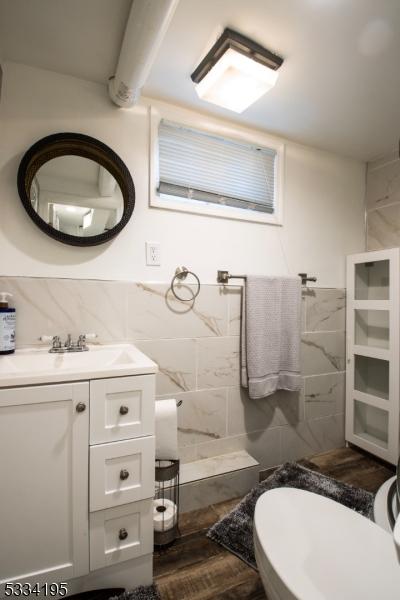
x: 140, y: 593
x: 235, y: 531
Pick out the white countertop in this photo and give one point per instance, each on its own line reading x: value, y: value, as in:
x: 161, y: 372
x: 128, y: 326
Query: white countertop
x: 32, y: 366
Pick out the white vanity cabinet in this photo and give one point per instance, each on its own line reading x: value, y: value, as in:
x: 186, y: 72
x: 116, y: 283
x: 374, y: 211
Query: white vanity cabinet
x: 77, y: 483
x: 44, y: 433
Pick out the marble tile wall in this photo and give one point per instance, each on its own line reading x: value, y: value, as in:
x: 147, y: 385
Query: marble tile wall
x: 197, y: 349
x: 383, y: 203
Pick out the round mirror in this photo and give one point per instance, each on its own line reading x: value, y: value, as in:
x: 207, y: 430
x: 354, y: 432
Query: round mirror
x: 76, y: 189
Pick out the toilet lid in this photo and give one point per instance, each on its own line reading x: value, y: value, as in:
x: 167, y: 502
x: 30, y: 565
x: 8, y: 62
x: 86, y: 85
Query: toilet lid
x: 322, y: 550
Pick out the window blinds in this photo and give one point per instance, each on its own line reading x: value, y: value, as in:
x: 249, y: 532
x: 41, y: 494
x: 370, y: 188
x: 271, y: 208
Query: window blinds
x: 209, y: 168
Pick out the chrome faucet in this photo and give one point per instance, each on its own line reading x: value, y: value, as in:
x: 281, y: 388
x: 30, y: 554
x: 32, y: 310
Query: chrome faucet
x: 69, y: 346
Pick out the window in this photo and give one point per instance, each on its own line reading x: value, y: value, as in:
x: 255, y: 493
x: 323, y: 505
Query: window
x: 199, y: 171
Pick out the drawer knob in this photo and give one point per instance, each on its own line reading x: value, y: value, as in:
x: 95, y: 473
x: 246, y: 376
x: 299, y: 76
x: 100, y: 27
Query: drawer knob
x: 124, y: 474
x: 123, y: 534
x: 80, y: 407
x: 123, y: 410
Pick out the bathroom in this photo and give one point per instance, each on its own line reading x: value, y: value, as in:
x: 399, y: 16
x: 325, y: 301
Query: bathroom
x: 149, y: 467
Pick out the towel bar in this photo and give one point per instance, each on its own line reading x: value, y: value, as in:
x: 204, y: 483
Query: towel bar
x: 224, y: 277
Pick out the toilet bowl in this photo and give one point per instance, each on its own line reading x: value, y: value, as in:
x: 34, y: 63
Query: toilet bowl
x: 386, y: 509
x: 308, y: 547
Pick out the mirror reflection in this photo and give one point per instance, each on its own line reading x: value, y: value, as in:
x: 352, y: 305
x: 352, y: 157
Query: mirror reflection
x: 77, y: 196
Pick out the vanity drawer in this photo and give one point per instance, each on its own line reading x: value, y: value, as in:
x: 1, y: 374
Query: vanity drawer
x: 121, y: 533
x: 121, y: 408
x: 121, y: 472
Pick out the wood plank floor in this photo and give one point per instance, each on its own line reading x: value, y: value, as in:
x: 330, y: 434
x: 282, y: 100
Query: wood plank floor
x: 195, y: 568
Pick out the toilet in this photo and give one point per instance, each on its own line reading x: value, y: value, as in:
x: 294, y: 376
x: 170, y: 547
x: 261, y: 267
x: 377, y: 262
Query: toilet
x: 309, y: 547
x: 386, y: 502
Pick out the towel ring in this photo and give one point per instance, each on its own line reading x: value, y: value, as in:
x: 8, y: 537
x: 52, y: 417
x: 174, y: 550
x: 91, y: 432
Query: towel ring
x: 180, y: 274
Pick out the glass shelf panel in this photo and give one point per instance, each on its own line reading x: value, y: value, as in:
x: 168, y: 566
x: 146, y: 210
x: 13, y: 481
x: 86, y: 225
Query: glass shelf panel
x: 372, y: 328
x: 371, y: 423
x: 372, y: 280
x: 371, y: 376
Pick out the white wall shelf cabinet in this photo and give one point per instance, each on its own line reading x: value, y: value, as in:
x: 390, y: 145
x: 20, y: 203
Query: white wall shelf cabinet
x: 373, y: 357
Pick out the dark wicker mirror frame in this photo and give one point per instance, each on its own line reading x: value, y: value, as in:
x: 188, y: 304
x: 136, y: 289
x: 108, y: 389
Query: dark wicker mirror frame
x: 78, y: 144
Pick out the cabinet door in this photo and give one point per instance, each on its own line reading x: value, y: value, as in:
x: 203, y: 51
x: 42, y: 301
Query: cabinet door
x: 44, y: 436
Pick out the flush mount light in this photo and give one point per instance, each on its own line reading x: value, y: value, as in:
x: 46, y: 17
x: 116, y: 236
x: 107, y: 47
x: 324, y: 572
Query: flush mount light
x: 236, y: 72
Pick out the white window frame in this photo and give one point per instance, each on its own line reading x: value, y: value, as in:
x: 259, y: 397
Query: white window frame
x: 235, y: 133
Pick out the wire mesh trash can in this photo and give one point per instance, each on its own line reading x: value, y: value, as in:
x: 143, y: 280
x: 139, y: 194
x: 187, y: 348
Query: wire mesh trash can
x: 166, y: 502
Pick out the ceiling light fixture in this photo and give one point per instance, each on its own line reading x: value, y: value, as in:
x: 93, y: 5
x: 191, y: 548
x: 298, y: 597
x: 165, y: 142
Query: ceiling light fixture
x: 236, y: 72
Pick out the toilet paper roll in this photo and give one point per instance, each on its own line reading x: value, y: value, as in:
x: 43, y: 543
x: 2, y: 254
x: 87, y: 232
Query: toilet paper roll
x: 164, y: 514
x: 166, y: 430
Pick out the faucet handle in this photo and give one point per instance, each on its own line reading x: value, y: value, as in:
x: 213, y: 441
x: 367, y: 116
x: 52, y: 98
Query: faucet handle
x: 84, y: 337
x: 90, y: 336
x: 54, y: 339
x: 81, y: 341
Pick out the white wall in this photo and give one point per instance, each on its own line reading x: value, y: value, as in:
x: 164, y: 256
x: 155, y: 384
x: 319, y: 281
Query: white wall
x: 323, y: 210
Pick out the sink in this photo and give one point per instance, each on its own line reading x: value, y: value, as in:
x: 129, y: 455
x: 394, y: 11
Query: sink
x: 38, y: 366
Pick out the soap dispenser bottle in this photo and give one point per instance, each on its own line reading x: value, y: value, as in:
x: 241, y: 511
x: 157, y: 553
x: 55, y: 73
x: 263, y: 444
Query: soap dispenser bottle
x: 7, y: 325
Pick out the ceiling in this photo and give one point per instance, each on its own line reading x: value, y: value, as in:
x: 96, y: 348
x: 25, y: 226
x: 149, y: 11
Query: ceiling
x: 339, y: 85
